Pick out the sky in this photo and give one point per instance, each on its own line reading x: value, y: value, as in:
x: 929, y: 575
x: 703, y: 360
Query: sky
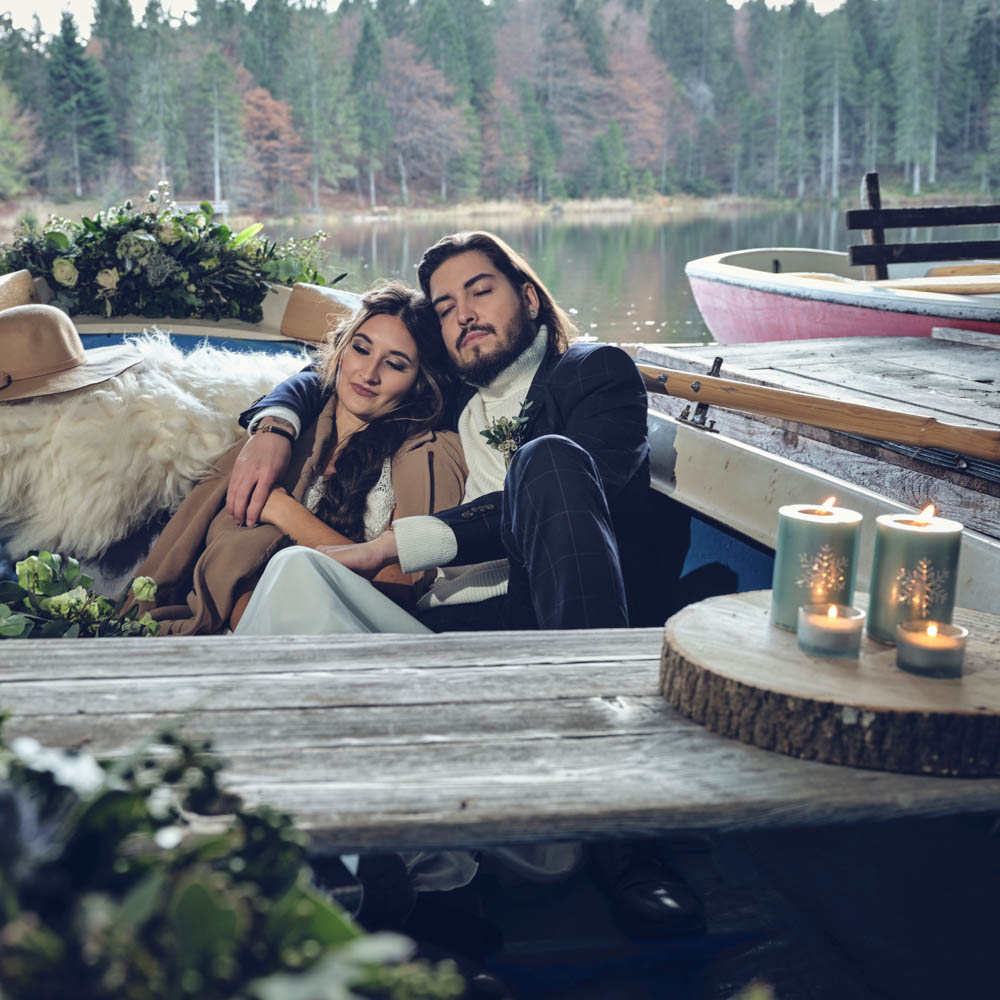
x: 49, y: 11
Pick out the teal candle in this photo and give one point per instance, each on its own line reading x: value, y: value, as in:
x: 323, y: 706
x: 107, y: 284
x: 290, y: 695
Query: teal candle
x: 814, y: 559
x: 914, y: 571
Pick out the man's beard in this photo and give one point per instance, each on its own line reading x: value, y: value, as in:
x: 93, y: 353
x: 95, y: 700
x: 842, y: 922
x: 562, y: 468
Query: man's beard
x: 518, y: 336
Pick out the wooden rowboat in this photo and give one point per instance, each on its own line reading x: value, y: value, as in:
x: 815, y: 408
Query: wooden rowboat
x: 786, y: 293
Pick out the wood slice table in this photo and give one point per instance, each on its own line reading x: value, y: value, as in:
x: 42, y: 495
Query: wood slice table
x: 724, y: 665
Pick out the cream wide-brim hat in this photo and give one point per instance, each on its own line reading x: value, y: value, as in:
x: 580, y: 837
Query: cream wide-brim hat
x: 41, y: 354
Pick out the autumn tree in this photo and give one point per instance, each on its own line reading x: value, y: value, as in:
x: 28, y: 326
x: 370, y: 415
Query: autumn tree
x: 276, y: 165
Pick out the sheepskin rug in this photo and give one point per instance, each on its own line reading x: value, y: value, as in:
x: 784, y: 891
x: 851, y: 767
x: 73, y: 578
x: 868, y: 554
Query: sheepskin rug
x: 81, y: 471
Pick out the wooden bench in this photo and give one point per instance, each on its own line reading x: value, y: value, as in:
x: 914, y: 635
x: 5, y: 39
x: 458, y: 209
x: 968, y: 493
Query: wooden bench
x: 463, y: 739
x: 876, y: 255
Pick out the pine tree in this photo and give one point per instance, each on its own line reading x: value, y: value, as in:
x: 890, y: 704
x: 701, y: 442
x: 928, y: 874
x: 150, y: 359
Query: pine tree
x: 373, y: 114
x: 320, y: 95
x: 78, y: 124
x: 119, y: 42
x: 19, y: 145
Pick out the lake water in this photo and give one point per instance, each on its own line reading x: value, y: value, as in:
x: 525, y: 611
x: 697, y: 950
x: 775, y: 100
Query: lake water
x: 622, y: 280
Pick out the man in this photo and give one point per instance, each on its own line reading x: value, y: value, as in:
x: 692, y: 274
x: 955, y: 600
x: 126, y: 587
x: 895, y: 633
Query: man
x: 550, y: 531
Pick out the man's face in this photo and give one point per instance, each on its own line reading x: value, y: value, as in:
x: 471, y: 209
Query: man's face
x: 485, y: 321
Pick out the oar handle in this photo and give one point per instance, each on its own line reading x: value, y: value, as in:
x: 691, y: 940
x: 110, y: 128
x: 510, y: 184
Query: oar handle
x: 818, y: 411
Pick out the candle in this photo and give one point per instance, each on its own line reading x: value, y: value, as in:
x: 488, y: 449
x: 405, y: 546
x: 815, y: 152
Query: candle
x: 914, y: 571
x: 814, y: 559
x: 830, y: 629
x: 933, y: 649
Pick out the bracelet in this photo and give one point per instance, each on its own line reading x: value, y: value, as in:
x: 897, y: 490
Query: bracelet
x: 273, y: 429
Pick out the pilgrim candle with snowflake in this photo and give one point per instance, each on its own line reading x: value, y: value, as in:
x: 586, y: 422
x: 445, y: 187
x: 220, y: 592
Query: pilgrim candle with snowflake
x: 914, y: 571
x: 814, y: 559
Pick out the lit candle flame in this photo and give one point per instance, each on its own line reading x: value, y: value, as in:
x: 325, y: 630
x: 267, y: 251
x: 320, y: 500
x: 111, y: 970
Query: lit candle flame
x: 931, y: 631
x: 832, y: 613
x: 928, y: 512
x: 830, y: 501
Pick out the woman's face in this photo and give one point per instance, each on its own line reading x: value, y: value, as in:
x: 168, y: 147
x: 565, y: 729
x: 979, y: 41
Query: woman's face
x: 378, y: 368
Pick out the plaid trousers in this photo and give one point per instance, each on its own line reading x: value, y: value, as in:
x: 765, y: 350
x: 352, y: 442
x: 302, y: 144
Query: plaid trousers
x: 557, y: 533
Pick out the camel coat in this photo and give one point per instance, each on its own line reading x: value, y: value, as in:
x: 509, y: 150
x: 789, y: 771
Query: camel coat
x: 204, y: 560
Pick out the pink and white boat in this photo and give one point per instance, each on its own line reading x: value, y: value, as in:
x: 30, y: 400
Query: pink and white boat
x: 788, y: 293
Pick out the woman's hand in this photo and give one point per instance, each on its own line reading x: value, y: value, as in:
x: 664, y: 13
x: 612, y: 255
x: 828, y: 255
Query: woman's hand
x: 365, y: 558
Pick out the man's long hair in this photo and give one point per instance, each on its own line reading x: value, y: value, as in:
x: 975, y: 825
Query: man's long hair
x: 510, y: 264
x: 359, y: 465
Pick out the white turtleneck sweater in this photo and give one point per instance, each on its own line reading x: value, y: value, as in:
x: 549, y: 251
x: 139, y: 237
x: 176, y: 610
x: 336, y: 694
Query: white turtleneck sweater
x: 426, y: 542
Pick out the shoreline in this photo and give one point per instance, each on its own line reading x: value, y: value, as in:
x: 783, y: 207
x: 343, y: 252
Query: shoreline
x: 346, y: 213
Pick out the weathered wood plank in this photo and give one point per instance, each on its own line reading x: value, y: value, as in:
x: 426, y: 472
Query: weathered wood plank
x: 899, y: 477
x: 973, y: 338
x: 390, y: 756
x: 377, y: 726
x: 340, y: 686
x: 842, y: 379
x: 184, y: 656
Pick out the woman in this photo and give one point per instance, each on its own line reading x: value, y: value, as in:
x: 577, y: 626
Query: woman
x: 372, y: 454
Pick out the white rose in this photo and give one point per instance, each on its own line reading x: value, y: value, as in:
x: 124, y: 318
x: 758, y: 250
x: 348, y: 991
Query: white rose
x: 108, y: 279
x: 64, y: 271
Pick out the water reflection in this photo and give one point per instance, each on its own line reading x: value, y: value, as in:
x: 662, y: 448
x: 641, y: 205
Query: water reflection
x: 622, y: 280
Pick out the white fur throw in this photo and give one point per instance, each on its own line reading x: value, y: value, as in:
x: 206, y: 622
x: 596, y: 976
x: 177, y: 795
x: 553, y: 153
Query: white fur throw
x: 81, y: 470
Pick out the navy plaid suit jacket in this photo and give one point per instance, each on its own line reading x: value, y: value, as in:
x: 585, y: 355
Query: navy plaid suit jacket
x: 592, y: 394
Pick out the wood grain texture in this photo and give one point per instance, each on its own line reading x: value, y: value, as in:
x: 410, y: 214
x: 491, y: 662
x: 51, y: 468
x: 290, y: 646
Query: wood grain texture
x: 465, y: 740
x: 725, y: 666
x: 900, y: 477
x: 880, y: 422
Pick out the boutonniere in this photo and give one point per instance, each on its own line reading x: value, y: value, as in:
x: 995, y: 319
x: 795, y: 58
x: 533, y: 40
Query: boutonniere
x: 506, y: 433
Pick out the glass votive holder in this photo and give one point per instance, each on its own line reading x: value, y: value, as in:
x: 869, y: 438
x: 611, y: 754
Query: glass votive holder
x: 930, y: 649
x: 830, y: 630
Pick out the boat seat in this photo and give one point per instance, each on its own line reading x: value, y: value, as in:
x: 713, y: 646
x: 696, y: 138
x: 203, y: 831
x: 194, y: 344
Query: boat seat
x: 17, y: 289
x: 313, y: 311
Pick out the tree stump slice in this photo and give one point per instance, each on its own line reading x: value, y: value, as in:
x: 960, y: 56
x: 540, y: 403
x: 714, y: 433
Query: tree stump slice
x: 725, y: 666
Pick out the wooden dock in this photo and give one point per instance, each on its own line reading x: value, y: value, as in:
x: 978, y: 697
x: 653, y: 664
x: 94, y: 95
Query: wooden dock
x: 463, y: 739
x: 951, y: 380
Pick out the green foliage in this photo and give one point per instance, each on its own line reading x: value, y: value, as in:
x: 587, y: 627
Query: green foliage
x: 53, y: 599
x: 507, y: 433
x: 112, y: 879
x: 160, y: 261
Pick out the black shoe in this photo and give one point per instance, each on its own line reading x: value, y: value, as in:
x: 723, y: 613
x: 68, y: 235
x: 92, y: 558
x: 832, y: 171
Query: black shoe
x: 650, y: 898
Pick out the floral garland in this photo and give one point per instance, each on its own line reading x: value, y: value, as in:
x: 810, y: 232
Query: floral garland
x: 160, y: 261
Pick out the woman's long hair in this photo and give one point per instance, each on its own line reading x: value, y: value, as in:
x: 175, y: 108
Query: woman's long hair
x: 359, y: 464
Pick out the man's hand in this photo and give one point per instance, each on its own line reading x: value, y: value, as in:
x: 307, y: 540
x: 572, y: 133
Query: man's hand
x: 365, y: 558
x: 262, y: 461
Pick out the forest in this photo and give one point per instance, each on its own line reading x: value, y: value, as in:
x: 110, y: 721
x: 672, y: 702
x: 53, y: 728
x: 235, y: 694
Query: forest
x: 279, y: 107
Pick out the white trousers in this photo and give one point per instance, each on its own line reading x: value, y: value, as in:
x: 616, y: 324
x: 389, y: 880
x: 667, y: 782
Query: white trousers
x: 304, y: 592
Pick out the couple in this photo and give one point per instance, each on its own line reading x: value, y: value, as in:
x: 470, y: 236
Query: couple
x: 552, y: 541
x: 549, y: 535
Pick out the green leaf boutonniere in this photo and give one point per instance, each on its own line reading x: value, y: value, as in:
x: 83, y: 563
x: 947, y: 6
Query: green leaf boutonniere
x: 506, y: 433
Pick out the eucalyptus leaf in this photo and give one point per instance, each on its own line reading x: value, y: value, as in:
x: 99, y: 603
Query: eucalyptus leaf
x: 56, y: 240
x: 13, y: 626
x: 245, y: 234
x: 11, y: 592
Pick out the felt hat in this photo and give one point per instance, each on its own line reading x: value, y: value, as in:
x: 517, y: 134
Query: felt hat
x: 41, y: 354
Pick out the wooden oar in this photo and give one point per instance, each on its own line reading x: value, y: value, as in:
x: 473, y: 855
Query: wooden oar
x: 969, y: 284
x: 818, y: 411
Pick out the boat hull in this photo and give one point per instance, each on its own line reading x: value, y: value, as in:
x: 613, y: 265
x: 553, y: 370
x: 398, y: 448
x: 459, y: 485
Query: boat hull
x: 817, y: 294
